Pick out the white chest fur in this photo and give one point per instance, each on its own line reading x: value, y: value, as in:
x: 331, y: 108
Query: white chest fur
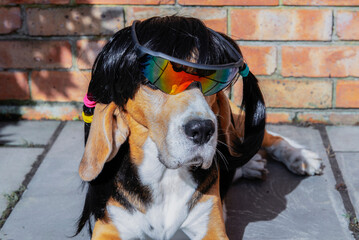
x: 168, y: 212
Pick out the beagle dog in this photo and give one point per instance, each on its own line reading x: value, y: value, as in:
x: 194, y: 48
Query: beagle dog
x: 159, y: 160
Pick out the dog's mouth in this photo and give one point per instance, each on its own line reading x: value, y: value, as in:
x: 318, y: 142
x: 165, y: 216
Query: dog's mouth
x: 194, y: 163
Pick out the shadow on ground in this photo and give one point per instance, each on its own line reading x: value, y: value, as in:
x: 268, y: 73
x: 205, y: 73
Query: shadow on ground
x: 250, y: 201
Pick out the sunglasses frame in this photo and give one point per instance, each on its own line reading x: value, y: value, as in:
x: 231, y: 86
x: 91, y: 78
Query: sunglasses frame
x: 141, y: 51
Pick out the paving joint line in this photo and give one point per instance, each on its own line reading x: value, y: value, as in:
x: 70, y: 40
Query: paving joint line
x: 340, y: 183
x: 28, y: 177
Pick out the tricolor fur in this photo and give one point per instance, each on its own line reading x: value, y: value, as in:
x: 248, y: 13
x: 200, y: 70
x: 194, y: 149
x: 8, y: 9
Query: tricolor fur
x: 147, y: 178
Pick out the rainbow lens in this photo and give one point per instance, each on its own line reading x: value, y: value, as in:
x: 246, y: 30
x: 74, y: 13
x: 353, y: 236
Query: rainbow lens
x: 172, y: 80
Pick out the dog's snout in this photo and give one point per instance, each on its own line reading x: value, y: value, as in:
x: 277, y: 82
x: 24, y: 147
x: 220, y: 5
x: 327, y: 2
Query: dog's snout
x: 199, y: 131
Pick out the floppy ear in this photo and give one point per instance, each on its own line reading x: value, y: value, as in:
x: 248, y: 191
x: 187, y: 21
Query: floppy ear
x: 230, y: 126
x: 108, y: 131
x: 240, y: 132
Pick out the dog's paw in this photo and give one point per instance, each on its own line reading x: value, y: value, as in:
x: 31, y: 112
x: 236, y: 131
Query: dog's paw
x: 255, y: 168
x: 305, y: 162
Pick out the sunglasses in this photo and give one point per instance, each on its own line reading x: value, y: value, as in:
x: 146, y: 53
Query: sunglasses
x: 172, y: 75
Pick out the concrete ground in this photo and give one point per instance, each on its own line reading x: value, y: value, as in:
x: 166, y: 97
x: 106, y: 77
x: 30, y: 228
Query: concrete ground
x: 39, y: 162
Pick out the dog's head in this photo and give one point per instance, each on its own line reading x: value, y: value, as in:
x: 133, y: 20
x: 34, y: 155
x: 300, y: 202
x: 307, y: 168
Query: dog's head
x: 181, y: 130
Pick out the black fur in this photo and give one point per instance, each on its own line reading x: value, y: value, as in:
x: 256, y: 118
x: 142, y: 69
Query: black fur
x: 120, y: 170
x: 116, y: 76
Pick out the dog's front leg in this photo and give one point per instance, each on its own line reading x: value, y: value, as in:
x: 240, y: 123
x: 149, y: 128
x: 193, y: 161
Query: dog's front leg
x: 105, y: 231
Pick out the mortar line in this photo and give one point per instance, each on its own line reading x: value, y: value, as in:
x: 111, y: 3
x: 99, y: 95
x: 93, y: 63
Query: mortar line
x: 339, y: 179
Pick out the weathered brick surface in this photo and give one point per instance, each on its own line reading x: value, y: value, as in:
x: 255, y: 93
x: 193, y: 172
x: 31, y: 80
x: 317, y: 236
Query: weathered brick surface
x: 10, y: 19
x: 330, y: 117
x: 59, y: 86
x: 348, y: 25
x: 344, y: 118
x: 322, y: 2
x: 230, y: 2
x: 281, y: 24
x: 313, y: 118
x: 35, y: 54
x: 34, y: 1
x: 278, y: 117
x: 87, y: 52
x: 51, y: 111
x: 135, y: 2
x: 14, y: 85
x: 320, y: 61
x: 347, y: 94
x: 75, y: 21
x: 214, y: 18
x: 262, y: 60
x: 297, y: 93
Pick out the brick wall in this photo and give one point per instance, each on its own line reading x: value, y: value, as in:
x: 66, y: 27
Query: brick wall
x: 305, y: 52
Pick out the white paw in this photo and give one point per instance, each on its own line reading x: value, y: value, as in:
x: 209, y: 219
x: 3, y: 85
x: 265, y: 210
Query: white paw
x: 305, y: 162
x: 255, y: 168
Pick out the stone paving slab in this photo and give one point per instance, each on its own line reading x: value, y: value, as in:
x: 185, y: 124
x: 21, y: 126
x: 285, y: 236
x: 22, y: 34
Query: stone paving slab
x: 344, y: 138
x: 15, y: 163
x: 26, y: 133
x: 286, y: 206
x: 349, y: 165
x: 53, y: 201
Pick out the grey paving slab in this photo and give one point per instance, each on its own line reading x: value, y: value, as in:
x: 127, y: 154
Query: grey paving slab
x: 349, y: 165
x: 286, y: 206
x: 27, y: 133
x: 53, y: 201
x: 15, y: 163
x: 344, y: 138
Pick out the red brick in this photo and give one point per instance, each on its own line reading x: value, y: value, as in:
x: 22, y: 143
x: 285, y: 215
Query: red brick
x: 297, y: 93
x: 10, y: 20
x: 87, y: 52
x: 35, y: 54
x: 330, y: 117
x: 348, y: 25
x: 281, y: 24
x: 346, y: 118
x: 213, y: 17
x: 320, y: 61
x: 14, y: 85
x: 59, y: 86
x: 230, y: 2
x: 134, y: 2
x: 347, y: 94
x: 322, y: 2
x: 278, y: 117
x: 74, y: 21
x: 61, y: 112
x: 313, y: 117
x: 260, y: 59
x: 34, y: 1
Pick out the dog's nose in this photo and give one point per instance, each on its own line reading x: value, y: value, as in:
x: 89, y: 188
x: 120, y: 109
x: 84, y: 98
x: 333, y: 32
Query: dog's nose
x: 199, y: 131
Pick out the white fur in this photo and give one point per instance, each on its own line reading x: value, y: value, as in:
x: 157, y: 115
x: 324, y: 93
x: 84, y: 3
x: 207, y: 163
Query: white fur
x: 297, y: 159
x: 171, y: 191
x: 255, y: 168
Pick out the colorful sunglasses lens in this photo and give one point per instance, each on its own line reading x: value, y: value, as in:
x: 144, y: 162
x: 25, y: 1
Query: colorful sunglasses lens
x: 173, y: 79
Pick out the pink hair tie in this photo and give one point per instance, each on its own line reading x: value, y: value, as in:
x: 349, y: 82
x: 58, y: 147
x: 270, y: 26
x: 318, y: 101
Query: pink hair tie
x: 88, y: 103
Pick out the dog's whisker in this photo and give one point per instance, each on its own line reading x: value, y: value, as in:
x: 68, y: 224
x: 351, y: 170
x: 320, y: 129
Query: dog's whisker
x: 223, y: 158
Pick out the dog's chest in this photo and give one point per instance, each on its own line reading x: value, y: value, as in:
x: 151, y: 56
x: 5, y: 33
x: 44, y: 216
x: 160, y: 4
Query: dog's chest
x: 171, y: 190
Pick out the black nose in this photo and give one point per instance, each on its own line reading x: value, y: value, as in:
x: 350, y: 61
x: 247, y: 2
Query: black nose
x: 199, y: 131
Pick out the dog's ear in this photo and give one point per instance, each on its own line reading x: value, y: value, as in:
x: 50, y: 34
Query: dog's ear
x: 230, y: 121
x: 108, y: 131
